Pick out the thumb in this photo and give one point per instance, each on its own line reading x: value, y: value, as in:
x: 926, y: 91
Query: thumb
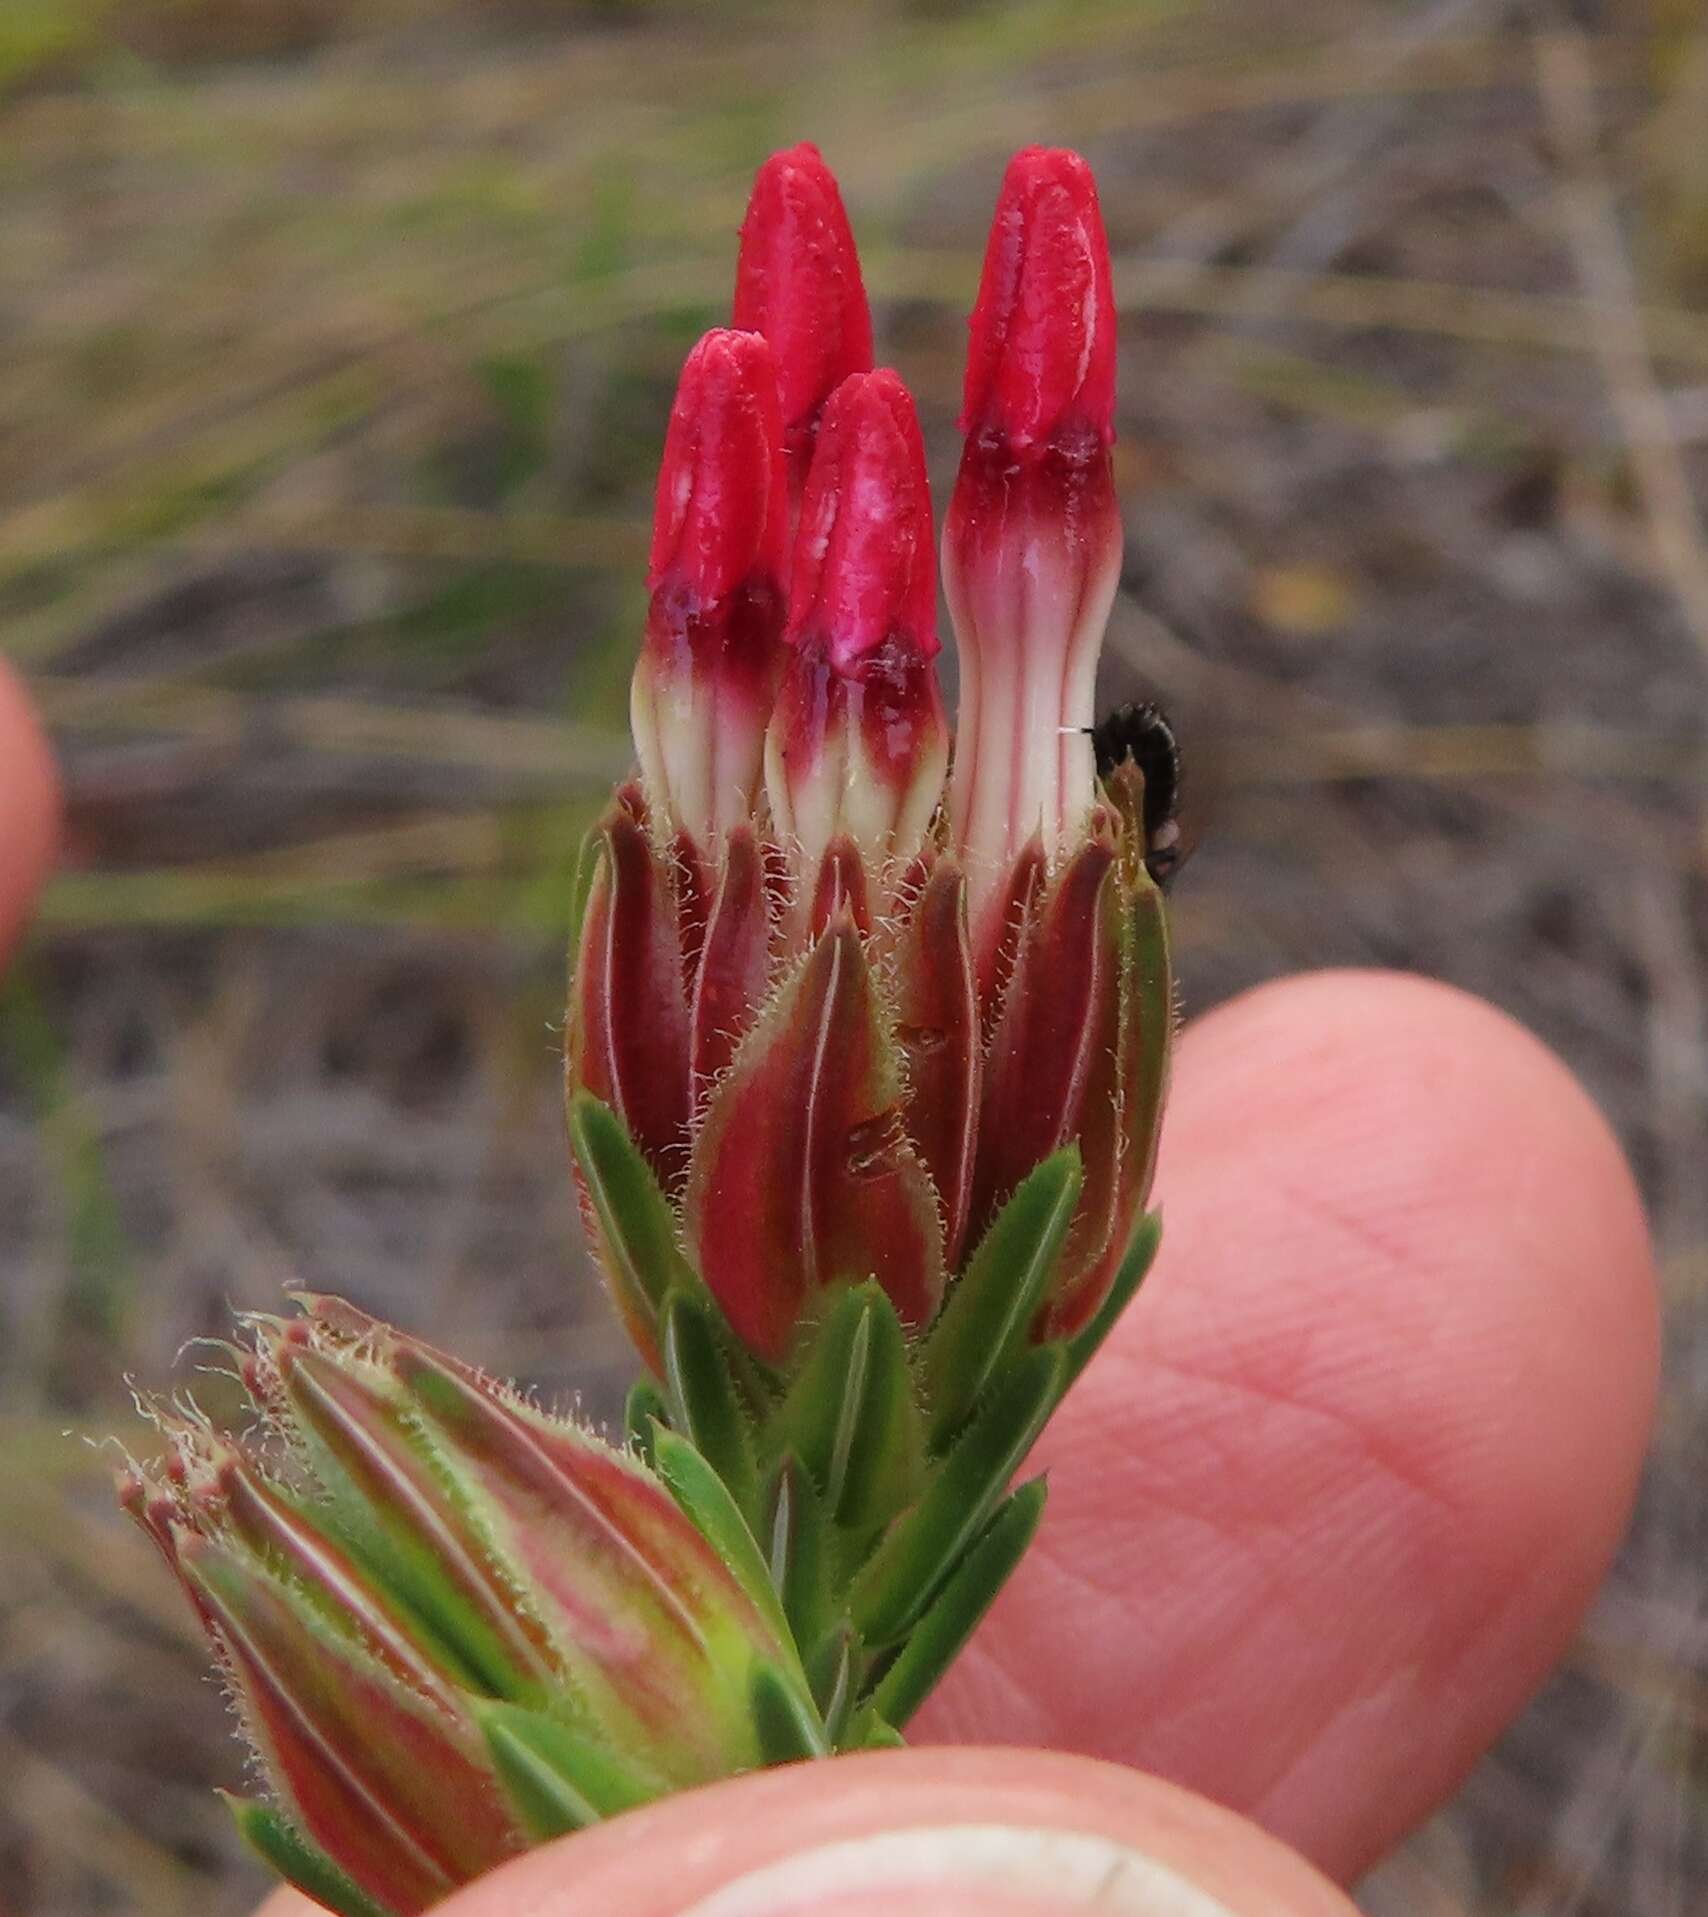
x: 915, y: 1833
x: 29, y: 807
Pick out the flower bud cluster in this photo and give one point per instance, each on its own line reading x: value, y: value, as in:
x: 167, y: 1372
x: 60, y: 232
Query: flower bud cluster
x: 451, y: 1624
x: 842, y: 997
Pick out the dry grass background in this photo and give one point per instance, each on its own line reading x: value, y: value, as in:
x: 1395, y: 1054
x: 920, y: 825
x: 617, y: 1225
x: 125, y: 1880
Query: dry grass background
x: 337, y: 345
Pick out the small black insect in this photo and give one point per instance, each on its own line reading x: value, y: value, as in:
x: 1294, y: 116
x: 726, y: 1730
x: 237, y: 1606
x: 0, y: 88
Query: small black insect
x: 1143, y: 734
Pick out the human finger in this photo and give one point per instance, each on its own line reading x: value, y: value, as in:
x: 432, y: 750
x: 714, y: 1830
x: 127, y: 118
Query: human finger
x: 1332, y: 1501
x: 949, y: 1833
x: 29, y: 807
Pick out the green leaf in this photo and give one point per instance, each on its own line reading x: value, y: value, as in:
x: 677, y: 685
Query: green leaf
x: 802, y: 1569
x: 839, y: 1688
x: 547, y: 1803
x: 936, y: 1640
x: 556, y: 1780
x: 1152, y: 985
x: 868, y: 1731
x: 907, y: 1569
x: 851, y: 1418
x: 705, y: 1402
x: 635, y: 1219
x: 992, y: 1305
x: 642, y: 1409
x: 882, y: 1465
x: 280, y: 1845
x: 815, y: 1421
x: 1147, y: 1235
x: 787, y: 1725
x: 706, y: 1501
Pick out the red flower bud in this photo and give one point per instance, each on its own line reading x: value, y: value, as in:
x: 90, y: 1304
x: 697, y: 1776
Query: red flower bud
x: 1041, y: 364
x: 798, y: 283
x: 448, y: 1568
x: 863, y: 569
x: 718, y: 522
x: 858, y: 741
x: 1032, y: 539
x: 703, y: 687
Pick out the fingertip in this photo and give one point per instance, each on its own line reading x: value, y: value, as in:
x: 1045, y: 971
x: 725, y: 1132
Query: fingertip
x: 1329, y: 1506
x: 286, y: 1902
x: 1448, y: 1138
x: 1487, y: 1324
x: 29, y: 806
x: 893, y: 1833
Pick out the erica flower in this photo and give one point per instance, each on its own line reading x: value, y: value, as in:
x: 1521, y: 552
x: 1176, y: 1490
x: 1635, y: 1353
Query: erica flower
x: 858, y: 744
x: 708, y: 666
x: 797, y: 282
x: 865, y: 1064
x: 1032, y: 542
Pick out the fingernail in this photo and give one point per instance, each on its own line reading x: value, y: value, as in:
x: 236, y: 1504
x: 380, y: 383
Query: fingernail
x: 1026, y: 1869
